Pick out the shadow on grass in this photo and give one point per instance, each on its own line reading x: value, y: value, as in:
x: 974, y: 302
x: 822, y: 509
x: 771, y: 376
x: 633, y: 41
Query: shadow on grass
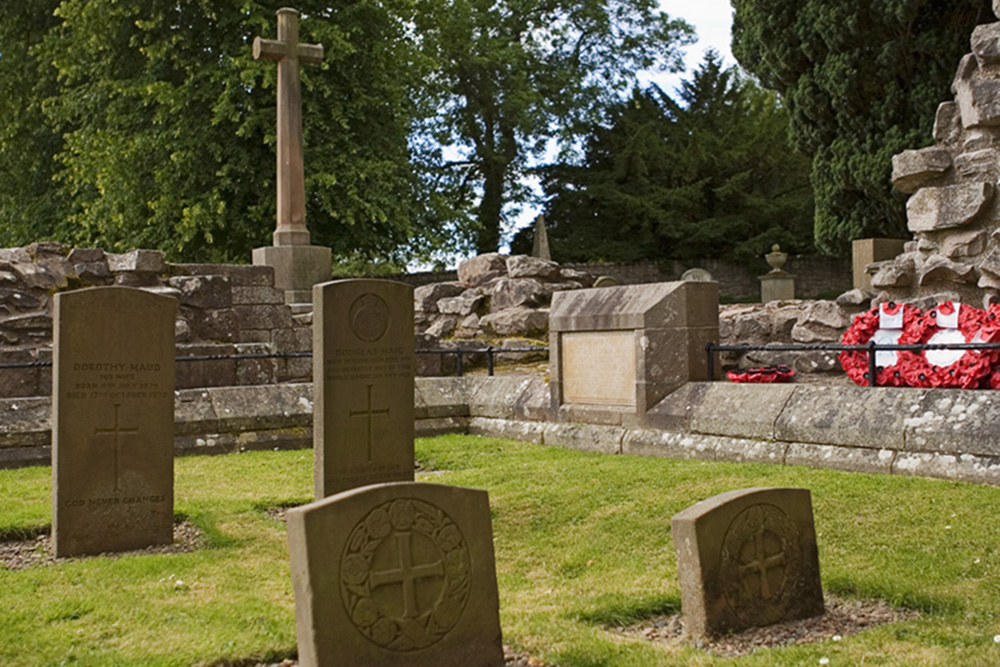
x: 24, y: 533
x: 618, y: 609
x: 914, y: 601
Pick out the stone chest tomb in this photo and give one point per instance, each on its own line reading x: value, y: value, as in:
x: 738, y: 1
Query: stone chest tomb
x: 623, y: 349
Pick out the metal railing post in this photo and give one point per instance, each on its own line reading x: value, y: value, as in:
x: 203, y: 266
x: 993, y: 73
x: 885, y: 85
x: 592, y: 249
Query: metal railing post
x: 489, y: 359
x: 872, y: 373
x: 709, y: 350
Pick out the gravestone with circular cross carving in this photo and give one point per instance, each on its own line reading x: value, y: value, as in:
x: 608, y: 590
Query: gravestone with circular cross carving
x: 747, y: 558
x: 396, y: 574
x: 363, y: 365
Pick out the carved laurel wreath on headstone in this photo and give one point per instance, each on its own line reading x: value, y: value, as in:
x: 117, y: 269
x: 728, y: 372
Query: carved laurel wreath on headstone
x: 761, y: 564
x: 396, y: 545
x: 369, y: 317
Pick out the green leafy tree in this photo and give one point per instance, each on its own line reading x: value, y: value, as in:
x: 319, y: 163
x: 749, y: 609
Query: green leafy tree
x: 158, y: 127
x: 862, y: 79
x: 509, y: 76
x: 29, y: 205
x: 708, y: 175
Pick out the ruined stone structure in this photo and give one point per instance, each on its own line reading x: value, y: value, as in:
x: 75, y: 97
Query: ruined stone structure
x: 223, y: 310
x: 953, y: 210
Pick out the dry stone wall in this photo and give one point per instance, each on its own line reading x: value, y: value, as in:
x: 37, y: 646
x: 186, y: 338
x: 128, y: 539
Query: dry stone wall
x: 223, y: 310
x: 953, y: 209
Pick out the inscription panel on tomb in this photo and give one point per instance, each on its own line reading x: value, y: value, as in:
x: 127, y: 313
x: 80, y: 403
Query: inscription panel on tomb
x: 113, y: 400
x: 363, y: 374
x: 598, y: 368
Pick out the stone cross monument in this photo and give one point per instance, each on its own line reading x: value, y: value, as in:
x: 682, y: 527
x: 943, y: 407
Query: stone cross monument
x: 297, y: 265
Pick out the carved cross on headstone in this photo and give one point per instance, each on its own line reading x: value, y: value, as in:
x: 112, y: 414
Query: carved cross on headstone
x: 288, y: 51
x: 369, y: 413
x: 116, y: 431
x: 407, y: 574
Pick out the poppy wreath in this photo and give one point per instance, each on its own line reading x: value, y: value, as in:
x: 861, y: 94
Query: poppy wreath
x: 864, y: 326
x: 970, y: 369
x: 762, y: 375
x: 990, y: 331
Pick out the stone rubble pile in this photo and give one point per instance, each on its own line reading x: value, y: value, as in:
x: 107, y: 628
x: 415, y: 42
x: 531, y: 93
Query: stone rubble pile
x: 496, y: 297
x: 222, y: 309
x: 783, y: 322
x: 953, y: 210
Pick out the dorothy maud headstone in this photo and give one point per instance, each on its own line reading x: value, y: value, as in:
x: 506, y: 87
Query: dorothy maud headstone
x: 747, y: 558
x: 396, y: 575
x: 113, y: 420
x: 363, y: 361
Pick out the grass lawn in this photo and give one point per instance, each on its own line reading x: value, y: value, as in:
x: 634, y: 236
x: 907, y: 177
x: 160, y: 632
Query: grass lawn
x: 582, y: 541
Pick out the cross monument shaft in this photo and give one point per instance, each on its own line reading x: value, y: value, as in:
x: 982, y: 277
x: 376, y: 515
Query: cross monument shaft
x: 288, y: 52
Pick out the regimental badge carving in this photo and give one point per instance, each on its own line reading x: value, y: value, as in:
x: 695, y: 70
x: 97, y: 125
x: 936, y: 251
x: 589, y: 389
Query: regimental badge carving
x: 369, y: 317
x: 405, y: 575
x: 761, y: 564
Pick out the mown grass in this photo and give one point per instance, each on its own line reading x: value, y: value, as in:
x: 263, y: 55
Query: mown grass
x: 582, y: 541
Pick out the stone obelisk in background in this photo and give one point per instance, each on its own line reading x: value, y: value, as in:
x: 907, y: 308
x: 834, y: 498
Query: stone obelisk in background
x: 297, y: 264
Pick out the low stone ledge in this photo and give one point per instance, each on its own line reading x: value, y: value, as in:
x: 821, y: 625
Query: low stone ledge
x: 440, y: 397
x: 851, y: 459
x: 740, y: 410
x: 966, y: 467
x: 496, y: 396
x: 585, y: 437
x: 667, y: 444
x: 952, y: 421
x: 526, y: 431
x: 426, y: 428
x: 847, y: 416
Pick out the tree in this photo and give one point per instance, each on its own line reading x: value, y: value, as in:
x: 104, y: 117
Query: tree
x: 709, y: 175
x: 158, y: 126
x: 511, y: 75
x: 862, y: 79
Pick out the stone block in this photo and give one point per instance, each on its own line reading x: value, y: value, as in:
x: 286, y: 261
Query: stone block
x: 747, y: 558
x: 977, y: 165
x: 952, y: 421
x: 524, y: 431
x: 938, y: 269
x: 777, y: 286
x: 524, y: 266
x: 967, y: 243
x: 979, y: 102
x: 655, y: 305
x: 257, y: 295
x: 758, y: 407
x: 426, y: 297
x: 513, y: 292
x: 296, y: 267
x: 665, y: 444
x: 481, y: 269
x: 142, y: 261
x: 441, y: 397
x: 585, y: 437
x: 866, y: 251
x: 526, y: 322
x: 240, y: 275
x: 913, y: 169
x: 464, y: 304
x: 220, y: 326
x: 204, y: 292
x: 497, y: 396
x: 208, y: 372
x: 847, y: 416
x: 674, y: 412
x: 264, y: 317
x: 947, y: 207
x: 836, y: 457
x: 262, y: 407
x: 396, y: 575
x: 986, y: 44
x: 113, y: 421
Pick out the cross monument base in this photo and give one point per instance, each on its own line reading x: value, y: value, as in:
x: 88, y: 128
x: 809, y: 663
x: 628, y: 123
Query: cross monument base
x: 296, y: 268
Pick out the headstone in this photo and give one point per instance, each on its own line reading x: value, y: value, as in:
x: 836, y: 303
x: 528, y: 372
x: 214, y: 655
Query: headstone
x: 540, y: 247
x: 618, y: 350
x: 867, y: 251
x: 363, y: 367
x: 396, y: 575
x: 113, y: 420
x: 747, y: 558
x: 297, y: 264
x: 697, y: 275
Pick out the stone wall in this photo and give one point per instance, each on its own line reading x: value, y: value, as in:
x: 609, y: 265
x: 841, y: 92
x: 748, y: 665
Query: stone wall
x: 814, y: 275
x: 223, y: 310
